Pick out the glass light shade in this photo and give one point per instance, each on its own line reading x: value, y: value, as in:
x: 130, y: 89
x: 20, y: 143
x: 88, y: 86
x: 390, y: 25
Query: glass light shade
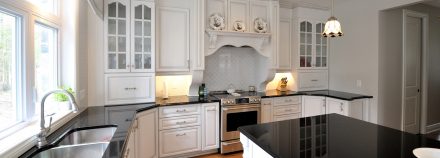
x: 332, y: 28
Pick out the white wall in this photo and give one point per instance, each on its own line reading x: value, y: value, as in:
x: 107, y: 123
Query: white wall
x: 391, y: 65
x: 355, y: 56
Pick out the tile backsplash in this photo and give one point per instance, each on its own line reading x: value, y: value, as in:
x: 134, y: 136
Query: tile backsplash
x: 237, y: 66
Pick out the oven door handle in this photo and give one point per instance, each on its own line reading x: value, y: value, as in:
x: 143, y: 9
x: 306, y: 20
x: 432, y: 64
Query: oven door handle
x: 241, y: 107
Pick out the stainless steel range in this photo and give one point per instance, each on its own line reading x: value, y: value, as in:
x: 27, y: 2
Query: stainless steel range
x: 236, y: 110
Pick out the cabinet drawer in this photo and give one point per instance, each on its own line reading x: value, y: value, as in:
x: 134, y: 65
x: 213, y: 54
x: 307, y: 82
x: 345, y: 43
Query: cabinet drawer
x: 287, y: 109
x: 129, y: 88
x: 179, y: 122
x: 313, y: 80
x: 179, y: 141
x: 287, y: 100
x: 287, y: 117
x: 184, y: 110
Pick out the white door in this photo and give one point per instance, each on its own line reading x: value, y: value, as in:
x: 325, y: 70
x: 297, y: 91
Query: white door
x: 146, y: 142
x: 337, y: 106
x: 412, y: 72
x: 211, y: 127
x: 313, y: 106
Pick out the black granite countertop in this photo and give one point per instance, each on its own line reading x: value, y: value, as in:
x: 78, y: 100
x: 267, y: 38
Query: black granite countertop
x: 334, y: 136
x: 93, y: 117
x: 182, y: 100
x: 326, y: 93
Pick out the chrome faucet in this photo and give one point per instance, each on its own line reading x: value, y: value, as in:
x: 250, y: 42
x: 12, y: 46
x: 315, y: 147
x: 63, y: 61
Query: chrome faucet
x: 41, y: 137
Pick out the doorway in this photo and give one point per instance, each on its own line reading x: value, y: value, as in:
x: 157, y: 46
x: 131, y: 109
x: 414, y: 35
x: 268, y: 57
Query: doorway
x: 414, y: 72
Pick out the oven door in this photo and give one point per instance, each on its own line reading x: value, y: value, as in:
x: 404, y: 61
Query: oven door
x: 236, y: 116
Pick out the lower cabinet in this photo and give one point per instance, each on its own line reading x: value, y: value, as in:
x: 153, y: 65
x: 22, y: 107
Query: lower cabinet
x: 280, y: 109
x: 210, y: 124
x: 179, y: 141
x: 143, y: 137
x: 286, y: 117
x: 313, y: 106
x: 337, y: 106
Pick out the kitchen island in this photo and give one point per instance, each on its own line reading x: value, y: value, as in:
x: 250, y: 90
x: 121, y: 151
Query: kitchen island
x: 329, y: 136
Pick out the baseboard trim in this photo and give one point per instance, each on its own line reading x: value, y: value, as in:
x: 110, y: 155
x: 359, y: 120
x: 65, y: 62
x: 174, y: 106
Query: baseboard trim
x: 433, y: 128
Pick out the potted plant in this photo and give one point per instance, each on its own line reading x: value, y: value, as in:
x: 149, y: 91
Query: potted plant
x: 62, y: 99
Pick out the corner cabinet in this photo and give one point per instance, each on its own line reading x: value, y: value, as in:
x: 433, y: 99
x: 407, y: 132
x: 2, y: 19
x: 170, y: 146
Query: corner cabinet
x: 129, y: 51
x: 129, y: 36
x: 311, y: 50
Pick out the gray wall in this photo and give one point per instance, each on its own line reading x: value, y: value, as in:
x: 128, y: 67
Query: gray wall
x: 390, y: 65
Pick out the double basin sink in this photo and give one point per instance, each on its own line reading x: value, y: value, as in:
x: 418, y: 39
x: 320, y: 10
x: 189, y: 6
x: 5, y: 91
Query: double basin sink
x: 88, y: 142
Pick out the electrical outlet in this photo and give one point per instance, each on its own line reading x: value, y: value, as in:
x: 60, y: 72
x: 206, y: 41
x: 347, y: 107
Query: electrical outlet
x: 359, y: 83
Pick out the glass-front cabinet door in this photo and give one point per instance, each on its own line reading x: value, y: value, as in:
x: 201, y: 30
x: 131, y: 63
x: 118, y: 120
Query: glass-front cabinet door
x: 117, y: 28
x: 306, y: 43
x: 320, y: 47
x: 142, y: 36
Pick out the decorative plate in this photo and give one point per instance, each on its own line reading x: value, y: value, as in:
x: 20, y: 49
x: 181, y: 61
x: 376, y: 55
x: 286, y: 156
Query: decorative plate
x: 239, y: 26
x: 260, y: 25
x: 216, y: 22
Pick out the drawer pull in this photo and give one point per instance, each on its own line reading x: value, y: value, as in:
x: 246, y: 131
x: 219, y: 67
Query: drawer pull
x: 178, y: 135
x: 134, y: 88
x: 181, y: 122
x: 184, y: 110
x: 211, y: 110
x: 314, y: 80
x: 288, y: 110
x: 128, y: 120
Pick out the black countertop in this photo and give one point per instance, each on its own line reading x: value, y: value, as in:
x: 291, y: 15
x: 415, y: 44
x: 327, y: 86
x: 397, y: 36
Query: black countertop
x: 94, y: 117
x: 334, y: 136
x: 325, y: 93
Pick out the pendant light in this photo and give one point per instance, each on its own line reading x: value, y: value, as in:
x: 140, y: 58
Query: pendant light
x: 332, y: 26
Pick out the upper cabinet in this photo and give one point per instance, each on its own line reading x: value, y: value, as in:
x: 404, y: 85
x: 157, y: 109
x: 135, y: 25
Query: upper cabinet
x: 311, y: 49
x: 179, y: 33
x: 285, y: 39
x: 129, y: 36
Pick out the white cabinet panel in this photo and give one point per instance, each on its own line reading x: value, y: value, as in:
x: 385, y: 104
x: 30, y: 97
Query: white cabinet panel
x: 287, y: 109
x: 266, y: 110
x: 179, y: 122
x: 285, y: 44
x: 216, y: 7
x: 287, y: 100
x: 146, y: 137
x: 313, y: 105
x: 239, y: 11
x: 312, y: 80
x: 129, y: 88
x: 179, y: 141
x: 337, y: 106
x: 210, y: 126
x: 175, y: 111
x: 174, y: 39
x: 258, y: 9
x: 286, y: 117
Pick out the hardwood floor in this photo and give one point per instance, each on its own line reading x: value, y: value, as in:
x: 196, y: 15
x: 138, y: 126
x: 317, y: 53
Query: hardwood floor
x: 233, y: 155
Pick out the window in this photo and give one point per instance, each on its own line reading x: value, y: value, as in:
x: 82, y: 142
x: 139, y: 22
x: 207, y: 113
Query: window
x: 10, y: 44
x: 46, y: 61
x: 46, y: 5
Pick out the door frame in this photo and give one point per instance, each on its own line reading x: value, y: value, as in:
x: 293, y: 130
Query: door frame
x: 424, y: 68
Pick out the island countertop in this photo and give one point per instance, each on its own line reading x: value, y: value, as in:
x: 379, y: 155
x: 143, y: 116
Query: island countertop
x: 333, y: 136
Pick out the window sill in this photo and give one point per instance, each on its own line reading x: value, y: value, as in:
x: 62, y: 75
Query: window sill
x: 24, y: 139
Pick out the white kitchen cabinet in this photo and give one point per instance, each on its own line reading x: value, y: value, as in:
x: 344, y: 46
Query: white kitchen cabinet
x: 179, y: 141
x: 313, y: 105
x: 179, y: 30
x: 309, y: 80
x: 285, y: 39
x: 266, y: 110
x: 337, y: 106
x: 127, y: 51
x: 129, y: 88
x: 211, y: 126
x: 239, y: 11
x: 286, y: 117
x: 143, y: 138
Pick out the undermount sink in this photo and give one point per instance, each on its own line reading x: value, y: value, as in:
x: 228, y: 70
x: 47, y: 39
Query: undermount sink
x: 96, y: 135
x: 427, y: 153
x: 80, y: 143
x: 93, y: 150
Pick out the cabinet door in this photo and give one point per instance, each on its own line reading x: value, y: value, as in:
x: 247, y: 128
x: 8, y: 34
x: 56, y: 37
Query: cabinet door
x: 129, y: 88
x: 285, y: 44
x: 129, y: 151
x: 337, y: 106
x: 142, y: 36
x: 210, y: 126
x: 179, y: 141
x: 313, y: 106
x: 147, y: 134
x: 306, y: 44
x: 116, y: 36
x: 239, y: 11
x: 174, y: 40
x: 266, y: 110
x: 321, y: 49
